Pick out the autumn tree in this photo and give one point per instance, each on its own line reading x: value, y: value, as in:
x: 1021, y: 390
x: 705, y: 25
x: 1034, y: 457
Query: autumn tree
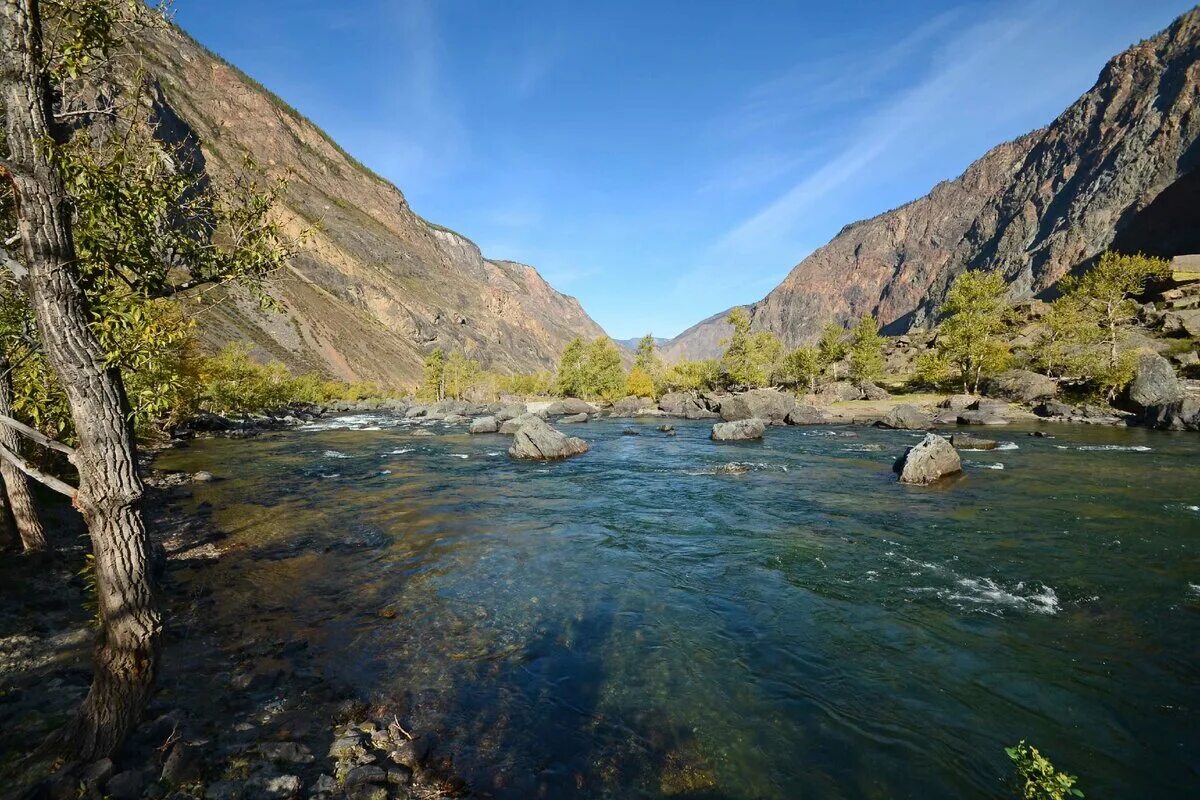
x: 639, y: 383
x: 749, y: 358
x: 801, y: 366
x: 692, y: 375
x: 1106, y: 292
x: 603, y: 374
x: 831, y: 348
x: 865, y: 350
x: 972, y: 333
x: 647, y: 358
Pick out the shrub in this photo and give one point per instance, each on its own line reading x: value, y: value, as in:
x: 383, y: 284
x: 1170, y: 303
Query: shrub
x: 1037, y: 778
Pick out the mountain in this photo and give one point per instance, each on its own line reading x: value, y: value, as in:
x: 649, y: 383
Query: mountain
x: 376, y: 287
x: 1120, y: 168
x: 631, y: 344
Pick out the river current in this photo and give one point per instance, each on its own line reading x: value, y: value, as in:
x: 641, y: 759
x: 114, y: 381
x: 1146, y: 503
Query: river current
x: 648, y: 621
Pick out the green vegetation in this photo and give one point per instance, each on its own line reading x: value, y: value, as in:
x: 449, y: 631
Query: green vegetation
x: 801, y: 367
x: 972, y: 336
x: 603, y: 375
x: 750, y: 358
x: 570, y: 369
x: 866, y: 351
x: 640, y: 383
x: 1037, y: 778
x: 831, y: 349
x: 692, y: 376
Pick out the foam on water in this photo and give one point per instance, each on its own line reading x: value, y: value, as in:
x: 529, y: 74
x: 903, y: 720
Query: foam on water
x: 1008, y: 446
x: 984, y: 595
x: 996, y: 465
x: 1122, y: 448
x: 356, y: 422
x: 459, y: 455
x: 334, y: 454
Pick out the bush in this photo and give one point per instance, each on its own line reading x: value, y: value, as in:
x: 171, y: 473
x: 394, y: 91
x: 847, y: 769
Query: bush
x: 639, y: 383
x: 1037, y: 778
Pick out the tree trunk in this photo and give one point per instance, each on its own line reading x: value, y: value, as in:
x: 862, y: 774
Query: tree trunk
x: 16, y: 483
x: 110, y: 490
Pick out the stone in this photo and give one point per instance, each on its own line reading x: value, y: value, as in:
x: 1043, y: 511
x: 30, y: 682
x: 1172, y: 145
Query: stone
x: 184, y: 764
x: 454, y: 419
x: 410, y: 753
x: 366, y: 773
x: 685, y: 404
x: 278, y: 786
x: 203, y: 477
x: 367, y: 791
x: 573, y: 419
x: 631, y: 432
x: 290, y: 752
x: 806, y: 415
x: 1182, y: 323
x: 1021, y: 385
x: 484, y: 425
x: 513, y: 425
x: 738, y: 430
x: 980, y: 418
x: 965, y: 441
x: 839, y: 391
x: 631, y: 406
x: 928, y: 462
x: 569, y: 406
x: 224, y: 790
x: 127, y: 785
x: 346, y: 746
x: 1052, y: 408
x: 1154, y: 382
x: 536, y: 440
x: 666, y: 428
x: 97, y: 772
x: 959, y: 402
x: 399, y: 776
x: 997, y: 407
x: 769, y: 405
x: 1182, y: 415
x: 324, y: 784
x: 872, y: 392
x: 511, y: 412
x: 905, y: 417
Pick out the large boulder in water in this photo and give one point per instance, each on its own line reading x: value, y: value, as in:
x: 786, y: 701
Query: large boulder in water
x: 981, y: 418
x: 738, y: 430
x: 905, y: 417
x: 631, y: 406
x: 484, y: 425
x: 686, y: 405
x: 771, y: 405
x: 512, y: 411
x: 965, y: 441
x: 1182, y: 415
x: 573, y: 419
x: 536, y: 440
x: 928, y: 462
x: 569, y: 406
x: 513, y: 425
x: 1022, y: 385
x: 1154, y: 382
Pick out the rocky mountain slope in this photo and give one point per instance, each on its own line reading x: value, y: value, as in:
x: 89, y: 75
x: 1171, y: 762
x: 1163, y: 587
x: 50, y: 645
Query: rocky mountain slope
x: 377, y: 287
x: 1119, y: 168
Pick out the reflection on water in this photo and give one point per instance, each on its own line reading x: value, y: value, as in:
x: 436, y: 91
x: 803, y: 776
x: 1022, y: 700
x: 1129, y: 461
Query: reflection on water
x: 647, y: 621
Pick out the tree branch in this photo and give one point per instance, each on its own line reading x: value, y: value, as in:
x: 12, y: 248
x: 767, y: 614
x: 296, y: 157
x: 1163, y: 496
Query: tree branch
x: 35, y: 473
x: 37, y: 436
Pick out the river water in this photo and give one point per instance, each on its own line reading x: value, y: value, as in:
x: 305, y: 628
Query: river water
x: 641, y: 622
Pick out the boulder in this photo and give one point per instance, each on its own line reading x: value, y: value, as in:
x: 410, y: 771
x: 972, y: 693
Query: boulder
x: 569, y: 406
x: 416, y: 412
x: 806, y: 415
x: 996, y: 407
x: 1021, y: 385
x: 505, y: 413
x: 905, y: 417
x: 981, y: 418
x: 1182, y: 323
x: 965, y: 441
x: 770, y: 405
x: 631, y: 406
x: 1052, y: 408
x: 928, y: 462
x: 1182, y: 415
x: 484, y: 425
x: 1154, y: 382
x: 959, y: 402
x: 513, y: 425
x: 536, y: 440
x: 872, y: 392
x: 839, y: 391
x: 738, y: 430
x: 454, y: 419
x: 573, y: 419
x: 125, y: 785
x: 446, y: 408
x: 686, y: 405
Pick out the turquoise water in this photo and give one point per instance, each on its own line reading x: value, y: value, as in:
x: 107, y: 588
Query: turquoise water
x: 637, y: 622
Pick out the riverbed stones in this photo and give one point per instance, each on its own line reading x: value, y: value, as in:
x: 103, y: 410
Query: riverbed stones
x: 511, y: 412
x: 958, y: 402
x: 1154, y: 382
x: 769, y: 405
x: 631, y: 406
x: 906, y: 417
x: 511, y: 426
x: 537, y: 441
x: 484, y: 425
x: 870, y: 391
x: 288, y: 752
x: 569, y: 406
x: 738, y: 430
x: 125, y: 785
x: 573, y: 419
x: 928, y: 462
x: 806, y: 415
x: 981, y: 418
x: 365, y: 773
x: 685, y: 404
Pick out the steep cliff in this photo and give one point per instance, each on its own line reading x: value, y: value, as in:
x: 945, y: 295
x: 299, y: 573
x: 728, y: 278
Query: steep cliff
x: 377, y: 287
x: 1118, y: 168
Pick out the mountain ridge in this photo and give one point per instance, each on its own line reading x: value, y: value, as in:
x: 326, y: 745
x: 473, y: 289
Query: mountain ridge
x: 1036, y: 207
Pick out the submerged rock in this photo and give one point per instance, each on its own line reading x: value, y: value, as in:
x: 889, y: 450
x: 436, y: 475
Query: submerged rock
x: 738, y: 430
x: 965, y: 441
x: 536, y: 440
x: 928, y: 462
x: 573, y: 419
x: 906, y: 418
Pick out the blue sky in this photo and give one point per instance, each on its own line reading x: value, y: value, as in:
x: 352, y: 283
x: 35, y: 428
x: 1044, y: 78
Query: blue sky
x: 662, y: 161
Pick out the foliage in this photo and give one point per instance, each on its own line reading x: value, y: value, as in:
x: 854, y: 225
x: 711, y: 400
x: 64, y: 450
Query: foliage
x: 433, y: 386
x: 831, y: 349
x: 972, y: 333
x: 866, y: 350
x: 570, y: 369
x: 750, y: 358
x: 647, y: 359
x: 639, y: 383
x: 693, y: 376
x: 462, y: 375
x: 932, y: 369
x: 526, y: 384
x: 801, y: 366
x: 603, y: 375
x: 1038, y: 779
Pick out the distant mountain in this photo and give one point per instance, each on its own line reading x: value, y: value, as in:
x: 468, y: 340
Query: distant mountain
x: 631, y: 344
x: 1120, y: 168
x: 377, y: 287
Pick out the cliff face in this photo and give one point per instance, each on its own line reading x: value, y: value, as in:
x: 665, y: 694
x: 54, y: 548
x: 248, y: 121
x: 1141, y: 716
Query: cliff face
x: 377, y: 287
x: 1035, y: 208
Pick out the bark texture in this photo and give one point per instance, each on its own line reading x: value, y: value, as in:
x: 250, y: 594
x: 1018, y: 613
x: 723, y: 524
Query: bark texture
x: 16, y: 483
x: 110, y: 490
